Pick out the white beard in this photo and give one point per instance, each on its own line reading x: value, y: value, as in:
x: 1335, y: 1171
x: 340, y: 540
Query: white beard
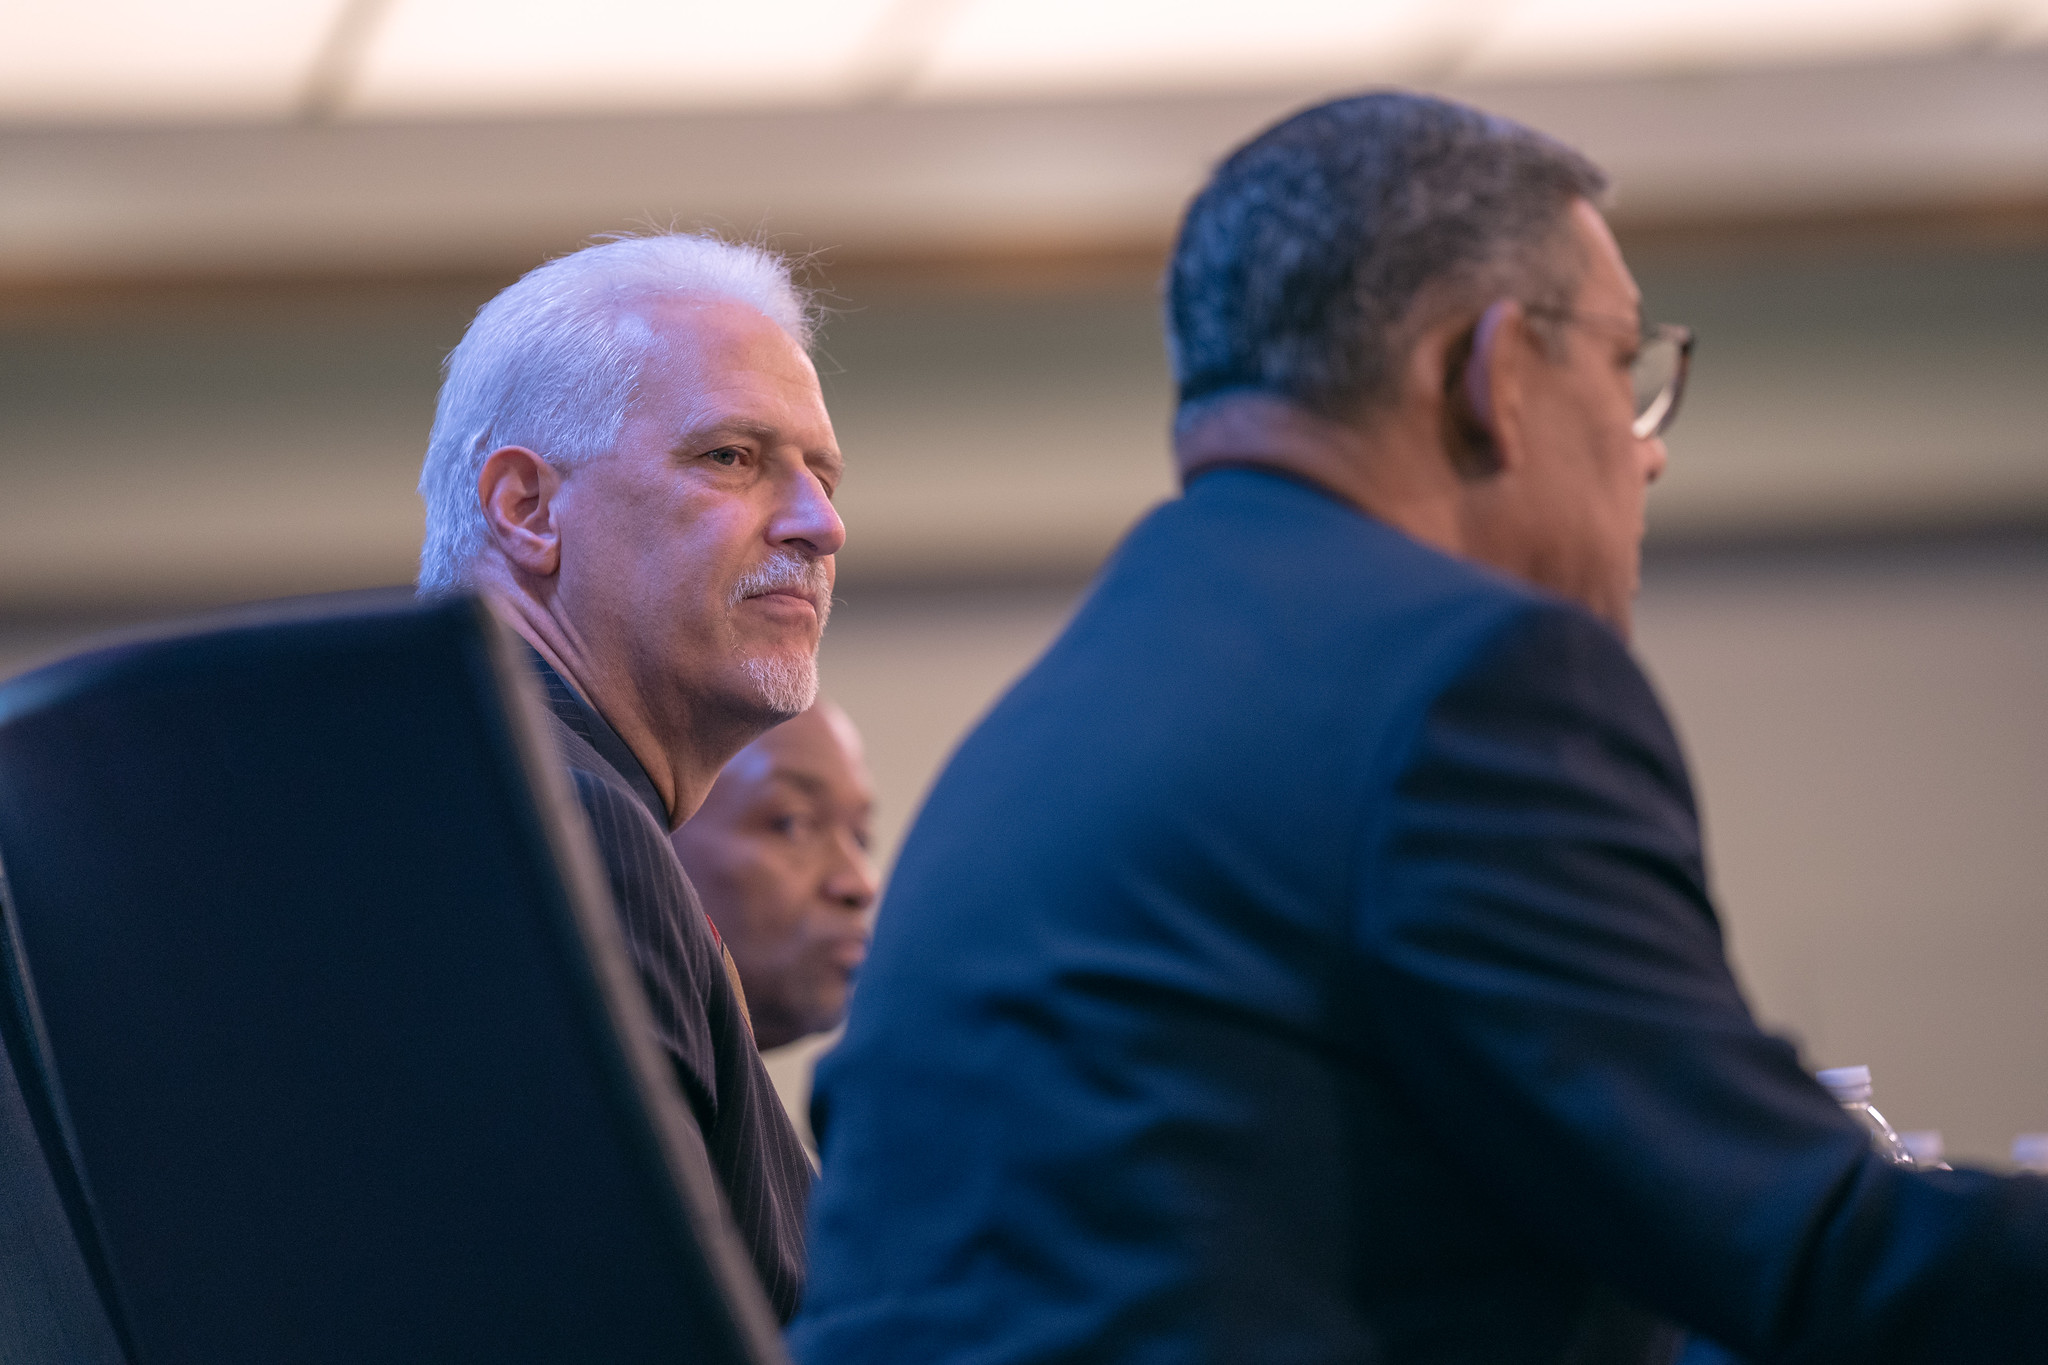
x: 788, y: 686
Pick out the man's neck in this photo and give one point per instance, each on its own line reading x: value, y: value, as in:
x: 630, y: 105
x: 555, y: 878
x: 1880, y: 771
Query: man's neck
x: 682, y: 772
x: 1395, y: 475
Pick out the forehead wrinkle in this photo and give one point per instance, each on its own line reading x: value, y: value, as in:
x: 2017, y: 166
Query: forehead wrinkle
x: 693, y: 429
x: 808, y: 783
x: 700, y: 421
x: 686, y: 350
x: 691, y: 365
x: 822, y: 788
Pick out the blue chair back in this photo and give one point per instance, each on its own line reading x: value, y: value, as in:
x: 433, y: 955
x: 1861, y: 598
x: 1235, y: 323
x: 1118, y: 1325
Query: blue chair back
x: 322, y: 1028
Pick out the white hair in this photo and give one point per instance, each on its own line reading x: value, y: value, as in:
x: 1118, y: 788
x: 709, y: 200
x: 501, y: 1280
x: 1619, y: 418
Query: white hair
x: 553, y: 364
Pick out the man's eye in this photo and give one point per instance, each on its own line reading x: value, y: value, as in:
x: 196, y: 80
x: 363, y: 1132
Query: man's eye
x: 724, y: 455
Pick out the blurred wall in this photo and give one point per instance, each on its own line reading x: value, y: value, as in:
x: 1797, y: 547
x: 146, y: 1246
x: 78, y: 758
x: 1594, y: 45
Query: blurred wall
x: 1846, y: 601
x: 1868, y: 729
x: 194, y: 441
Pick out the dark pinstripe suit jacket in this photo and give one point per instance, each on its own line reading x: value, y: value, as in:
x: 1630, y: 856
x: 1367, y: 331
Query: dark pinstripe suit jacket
x: 699, y: 1013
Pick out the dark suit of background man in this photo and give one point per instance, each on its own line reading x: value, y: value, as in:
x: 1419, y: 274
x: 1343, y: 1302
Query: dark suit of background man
x: 633, y: 462
x: 1311, y: 960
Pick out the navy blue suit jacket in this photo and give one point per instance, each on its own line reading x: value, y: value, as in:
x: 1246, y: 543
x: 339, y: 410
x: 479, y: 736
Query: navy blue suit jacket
x: 1311, y: 960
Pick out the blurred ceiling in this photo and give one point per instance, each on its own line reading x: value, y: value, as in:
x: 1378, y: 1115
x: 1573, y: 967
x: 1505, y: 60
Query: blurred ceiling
x: 273, y: 59
x: 139, y: 137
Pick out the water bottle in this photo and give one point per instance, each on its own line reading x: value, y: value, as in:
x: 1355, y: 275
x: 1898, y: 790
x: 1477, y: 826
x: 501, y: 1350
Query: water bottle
x: 1850, y: 1085
x: 1927, y: 1148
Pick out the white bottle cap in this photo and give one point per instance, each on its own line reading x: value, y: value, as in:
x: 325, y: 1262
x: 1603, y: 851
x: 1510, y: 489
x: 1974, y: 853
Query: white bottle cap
x: 1924, y: 1144
x: 1848, y: 1084
x: 2030, y: 1152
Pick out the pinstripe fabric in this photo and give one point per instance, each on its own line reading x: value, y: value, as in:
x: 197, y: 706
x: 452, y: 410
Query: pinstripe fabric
x: 698, y: 1011
x: 50, y: 1310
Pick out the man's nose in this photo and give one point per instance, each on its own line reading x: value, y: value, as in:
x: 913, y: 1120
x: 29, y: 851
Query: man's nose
x: 807, y: 517
x: 852, y: 882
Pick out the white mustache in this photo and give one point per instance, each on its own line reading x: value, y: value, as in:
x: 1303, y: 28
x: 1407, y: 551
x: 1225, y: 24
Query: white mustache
x: 787, y: 573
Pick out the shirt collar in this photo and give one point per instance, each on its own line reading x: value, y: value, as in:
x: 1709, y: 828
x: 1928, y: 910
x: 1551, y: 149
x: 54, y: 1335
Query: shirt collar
x: 585, y: 721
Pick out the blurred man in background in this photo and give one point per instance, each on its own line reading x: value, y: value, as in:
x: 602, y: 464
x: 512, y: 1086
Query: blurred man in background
x: 779, y: 852
x: 1311, y: 958
x: 632, y: 461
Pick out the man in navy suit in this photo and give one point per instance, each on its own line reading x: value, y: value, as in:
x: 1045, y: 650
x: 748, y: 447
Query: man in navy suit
x: 1311, y: 959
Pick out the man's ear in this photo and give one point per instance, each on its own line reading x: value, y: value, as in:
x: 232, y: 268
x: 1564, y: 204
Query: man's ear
x: 1501, y: 356
x: 516, y: 490
x: 1481, y: 388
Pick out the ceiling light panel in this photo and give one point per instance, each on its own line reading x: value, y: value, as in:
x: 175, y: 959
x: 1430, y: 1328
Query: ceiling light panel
x: 1013, y: 47
x: 2027, y: 24
x: 514, y: 56
x: 123, y: 59
x: 1572, y: 36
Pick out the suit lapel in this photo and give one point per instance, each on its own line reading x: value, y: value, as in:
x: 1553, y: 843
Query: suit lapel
x: 583, y: 720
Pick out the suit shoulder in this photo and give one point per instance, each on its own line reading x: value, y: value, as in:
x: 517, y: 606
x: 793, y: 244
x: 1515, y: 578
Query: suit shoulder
x: 667, y: 934
x: 576, y: 752
x: 1268, y: 556
x: 1553, y: 710
x: 635, y: 848
x: 1551, y: 659
x: 621, y: 823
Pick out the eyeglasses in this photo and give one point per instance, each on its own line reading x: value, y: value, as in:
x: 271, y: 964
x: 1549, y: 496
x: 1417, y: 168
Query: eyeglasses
x: 1663, y: 358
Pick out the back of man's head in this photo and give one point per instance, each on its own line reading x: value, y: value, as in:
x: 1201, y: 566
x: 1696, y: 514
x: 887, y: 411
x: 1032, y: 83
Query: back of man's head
x: 553, y: 362
x: 1319, y: 249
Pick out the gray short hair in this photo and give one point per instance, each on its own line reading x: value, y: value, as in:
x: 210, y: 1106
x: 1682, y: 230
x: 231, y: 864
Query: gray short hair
x: 1300, y: 265
x: 553, y: 364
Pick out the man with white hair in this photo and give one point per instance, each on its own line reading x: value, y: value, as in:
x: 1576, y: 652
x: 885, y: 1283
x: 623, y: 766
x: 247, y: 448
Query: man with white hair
x: 632, y: 462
